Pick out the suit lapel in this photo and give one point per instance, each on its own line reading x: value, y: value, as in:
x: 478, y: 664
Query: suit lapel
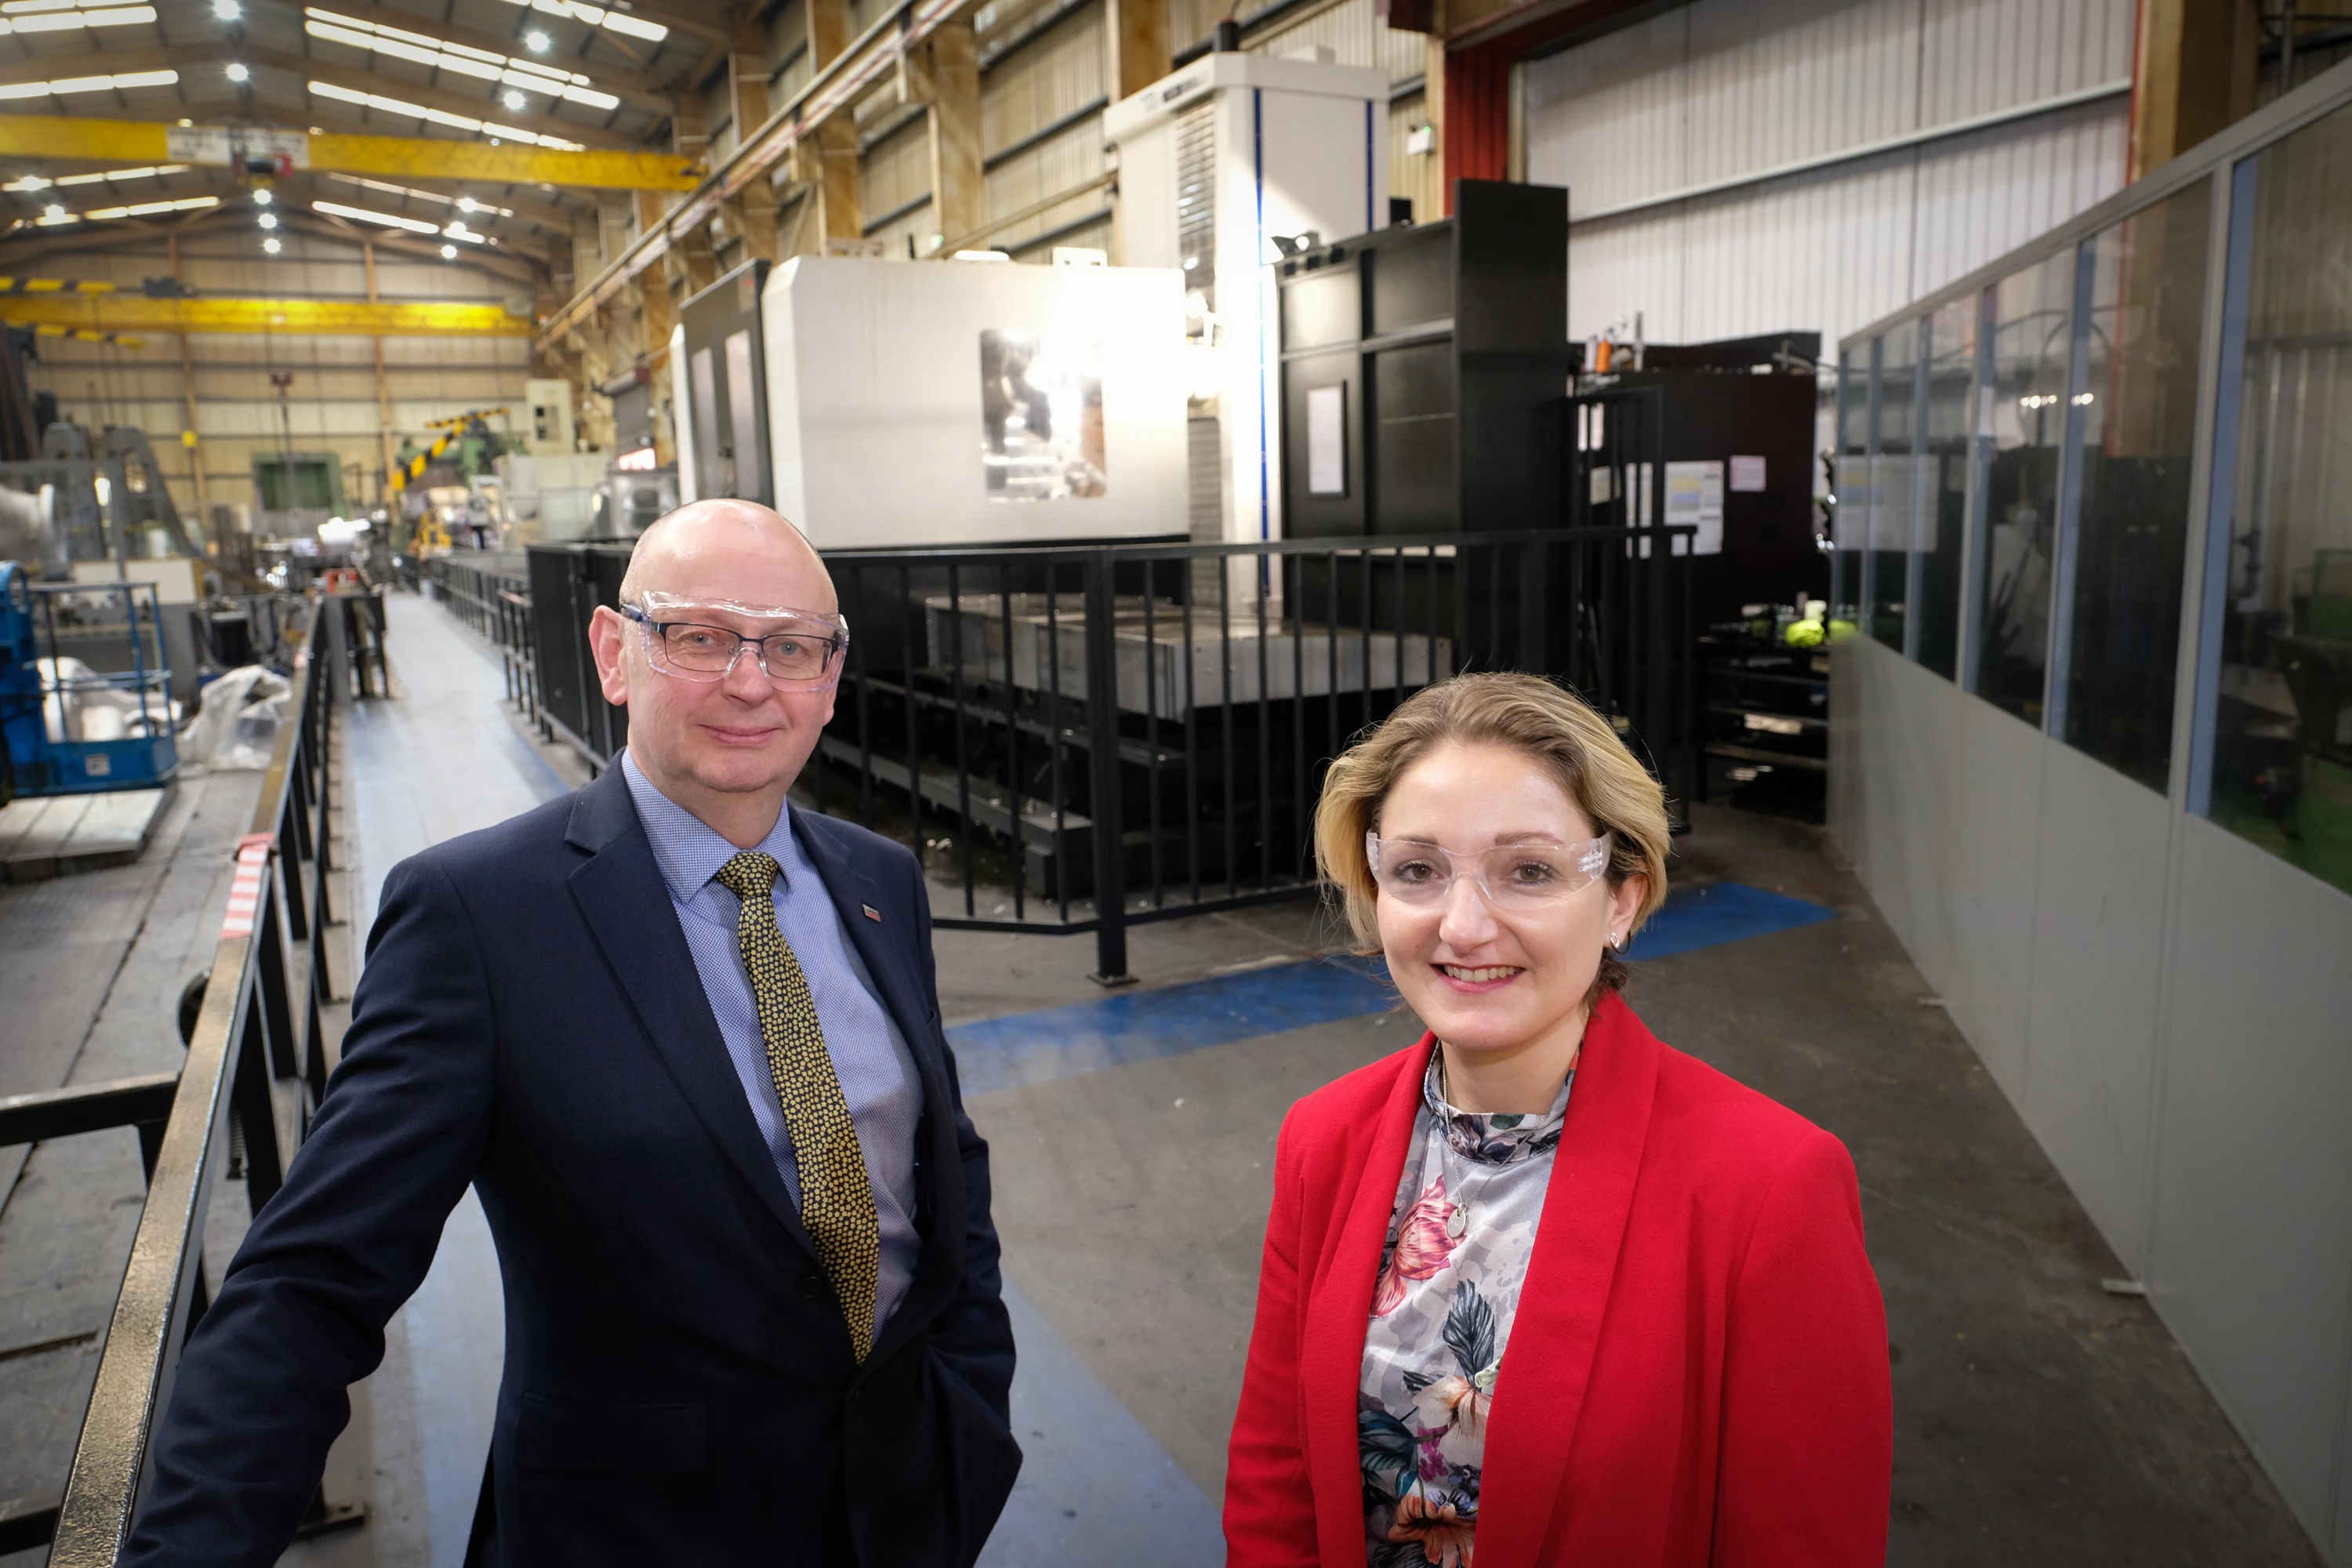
x: 626, y: 905
x: 1548, y: 1366
x: 1331, y: 1362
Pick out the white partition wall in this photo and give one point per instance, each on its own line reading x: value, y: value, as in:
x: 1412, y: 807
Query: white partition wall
x: 2110, y: 816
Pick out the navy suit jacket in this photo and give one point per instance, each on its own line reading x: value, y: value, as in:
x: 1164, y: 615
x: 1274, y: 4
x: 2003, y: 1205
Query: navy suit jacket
x: 679, y: 1384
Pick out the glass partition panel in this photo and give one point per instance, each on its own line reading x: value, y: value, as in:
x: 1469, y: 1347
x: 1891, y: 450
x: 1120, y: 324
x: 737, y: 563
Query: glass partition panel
x: 1949, y: 479
x: 2139, y: 430
x: 1850, y: 520
x: 2282, y: 768
x: 1894, y: 485
x: 2031, y: 339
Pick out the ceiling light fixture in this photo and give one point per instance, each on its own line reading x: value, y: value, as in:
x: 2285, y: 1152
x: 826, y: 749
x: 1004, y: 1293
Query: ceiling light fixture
x: 448, y: 253
x: 512, y: 97
x: 261, y: 198
x: 226, y: 10
x: 89, y: 84
x: 389, y: 220
x: 466, y: 204
x: 41, y: 17
x: 538, y: 43
x: 56, y: 215
x: 269, y: 220
x: 271, y: 245
x: 431, y: 116
x: 238, y: 72
x: 597, y: 17
x: 461, y: 59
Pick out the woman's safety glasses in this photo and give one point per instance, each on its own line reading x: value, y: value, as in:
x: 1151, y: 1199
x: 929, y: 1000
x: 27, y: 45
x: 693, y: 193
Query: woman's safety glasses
x: 1511, y: 876
x: 804, y: 656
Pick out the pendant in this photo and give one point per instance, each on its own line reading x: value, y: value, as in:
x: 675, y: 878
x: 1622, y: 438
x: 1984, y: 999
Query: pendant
x: 1457, y: 1223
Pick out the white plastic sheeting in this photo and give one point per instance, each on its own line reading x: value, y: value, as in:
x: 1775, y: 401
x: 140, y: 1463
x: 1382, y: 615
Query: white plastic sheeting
x: 237, y: 727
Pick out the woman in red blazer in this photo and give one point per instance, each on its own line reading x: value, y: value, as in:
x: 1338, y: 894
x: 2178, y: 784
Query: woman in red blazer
x: 1540, y: 1289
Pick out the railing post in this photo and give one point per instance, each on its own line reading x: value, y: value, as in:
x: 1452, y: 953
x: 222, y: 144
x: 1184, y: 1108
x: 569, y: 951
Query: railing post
x: 275, y: 1007
x: 1103, y: 776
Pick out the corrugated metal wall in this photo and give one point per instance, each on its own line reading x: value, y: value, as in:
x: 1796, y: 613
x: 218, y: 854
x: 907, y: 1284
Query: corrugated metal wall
x: 1046, y: 80
x: 1721, y: 89
x: 332, y: 403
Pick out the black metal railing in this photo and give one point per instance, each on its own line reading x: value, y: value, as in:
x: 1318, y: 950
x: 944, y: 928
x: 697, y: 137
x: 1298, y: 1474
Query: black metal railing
x: 256, y: 1035
x: 966, y: 724
x: 493, y: 598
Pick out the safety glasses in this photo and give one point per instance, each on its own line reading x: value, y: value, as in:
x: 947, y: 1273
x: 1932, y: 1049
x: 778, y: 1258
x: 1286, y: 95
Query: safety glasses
x: 1511, y: 876
x: 806, y: 655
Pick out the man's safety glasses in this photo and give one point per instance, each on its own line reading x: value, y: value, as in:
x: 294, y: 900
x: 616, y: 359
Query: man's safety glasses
x: 805, y: 657
x: 1511, y: 876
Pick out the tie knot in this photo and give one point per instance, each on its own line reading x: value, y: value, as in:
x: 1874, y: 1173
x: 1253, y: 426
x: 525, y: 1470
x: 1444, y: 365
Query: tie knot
x: 750, y: 875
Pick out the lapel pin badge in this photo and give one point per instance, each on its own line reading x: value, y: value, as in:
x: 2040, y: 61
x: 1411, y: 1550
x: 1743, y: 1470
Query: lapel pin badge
x: 871, y: 912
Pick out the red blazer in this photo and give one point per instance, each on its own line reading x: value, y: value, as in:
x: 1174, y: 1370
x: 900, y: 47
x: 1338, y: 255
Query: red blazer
x: 1697, y: 1372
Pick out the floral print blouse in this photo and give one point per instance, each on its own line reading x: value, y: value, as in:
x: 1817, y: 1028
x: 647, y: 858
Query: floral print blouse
x: 1462, y: 1232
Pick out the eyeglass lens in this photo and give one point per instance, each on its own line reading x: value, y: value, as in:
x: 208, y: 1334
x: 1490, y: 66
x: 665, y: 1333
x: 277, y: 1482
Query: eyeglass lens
x: 1515, y: 874
x: 712, y: 650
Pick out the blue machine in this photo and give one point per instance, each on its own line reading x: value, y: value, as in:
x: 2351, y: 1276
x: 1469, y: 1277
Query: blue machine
x: 70, y: 733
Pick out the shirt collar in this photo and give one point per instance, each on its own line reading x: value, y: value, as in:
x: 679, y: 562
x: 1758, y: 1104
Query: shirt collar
x: 688, y: 850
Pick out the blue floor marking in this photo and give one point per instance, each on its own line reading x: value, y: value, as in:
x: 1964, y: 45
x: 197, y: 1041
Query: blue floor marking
x: 1137, y: 1026
x: 1720, y: 912
x: 1141, y: 1025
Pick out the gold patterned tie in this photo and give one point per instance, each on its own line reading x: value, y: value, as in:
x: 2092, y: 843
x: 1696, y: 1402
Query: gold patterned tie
x: 836, y: 1203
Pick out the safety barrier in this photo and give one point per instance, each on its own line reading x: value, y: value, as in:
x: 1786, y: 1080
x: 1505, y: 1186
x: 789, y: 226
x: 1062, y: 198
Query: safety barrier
x: 966, y: 724
x: 494, y: 601
x: 256, y: 1032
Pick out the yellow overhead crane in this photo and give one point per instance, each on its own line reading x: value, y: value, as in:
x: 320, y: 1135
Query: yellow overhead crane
x: 53, y: 136
x: 356, y: 318
x: 84, y: 335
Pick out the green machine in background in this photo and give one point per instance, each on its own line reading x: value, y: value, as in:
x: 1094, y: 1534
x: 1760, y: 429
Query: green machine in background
x: 296, y: 491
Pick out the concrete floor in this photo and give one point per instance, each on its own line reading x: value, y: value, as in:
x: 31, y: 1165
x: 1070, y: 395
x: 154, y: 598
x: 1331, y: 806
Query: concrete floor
x: 2039, y: 1419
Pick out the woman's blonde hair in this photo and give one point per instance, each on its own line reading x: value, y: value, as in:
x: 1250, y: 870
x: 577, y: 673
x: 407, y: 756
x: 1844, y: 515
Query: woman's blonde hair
x: 1556, y: 728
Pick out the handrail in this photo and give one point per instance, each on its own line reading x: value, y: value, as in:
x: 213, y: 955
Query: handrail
x: 252, y: 1028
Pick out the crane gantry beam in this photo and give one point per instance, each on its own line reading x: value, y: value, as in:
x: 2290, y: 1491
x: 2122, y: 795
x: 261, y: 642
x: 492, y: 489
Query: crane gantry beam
x: 356, y: 318
x: 53, y: 137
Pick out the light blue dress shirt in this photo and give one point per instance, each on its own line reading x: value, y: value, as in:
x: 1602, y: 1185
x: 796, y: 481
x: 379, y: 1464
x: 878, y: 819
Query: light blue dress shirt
x: 869, y: 1055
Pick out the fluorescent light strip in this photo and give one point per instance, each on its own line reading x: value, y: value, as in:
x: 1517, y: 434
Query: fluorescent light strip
x: 89, y: 84
x: 597, y: 17
x: 389, y: 220
x: 440, y: 117
x: 480, y: 64
x: 157, y: 169
x: 139, y: 209
x: 62, y: 21
x: 480, y: 207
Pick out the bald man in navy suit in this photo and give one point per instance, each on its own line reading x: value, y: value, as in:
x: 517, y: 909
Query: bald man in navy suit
x: 684, y: 1043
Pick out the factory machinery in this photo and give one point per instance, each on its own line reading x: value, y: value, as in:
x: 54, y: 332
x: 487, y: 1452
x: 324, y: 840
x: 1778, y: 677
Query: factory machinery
x: 65, y: 727
x: 109, y: 614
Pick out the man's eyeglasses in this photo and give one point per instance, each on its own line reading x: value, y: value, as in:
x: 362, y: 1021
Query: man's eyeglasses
x: 1512, y: 875
x: 803, y: 657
